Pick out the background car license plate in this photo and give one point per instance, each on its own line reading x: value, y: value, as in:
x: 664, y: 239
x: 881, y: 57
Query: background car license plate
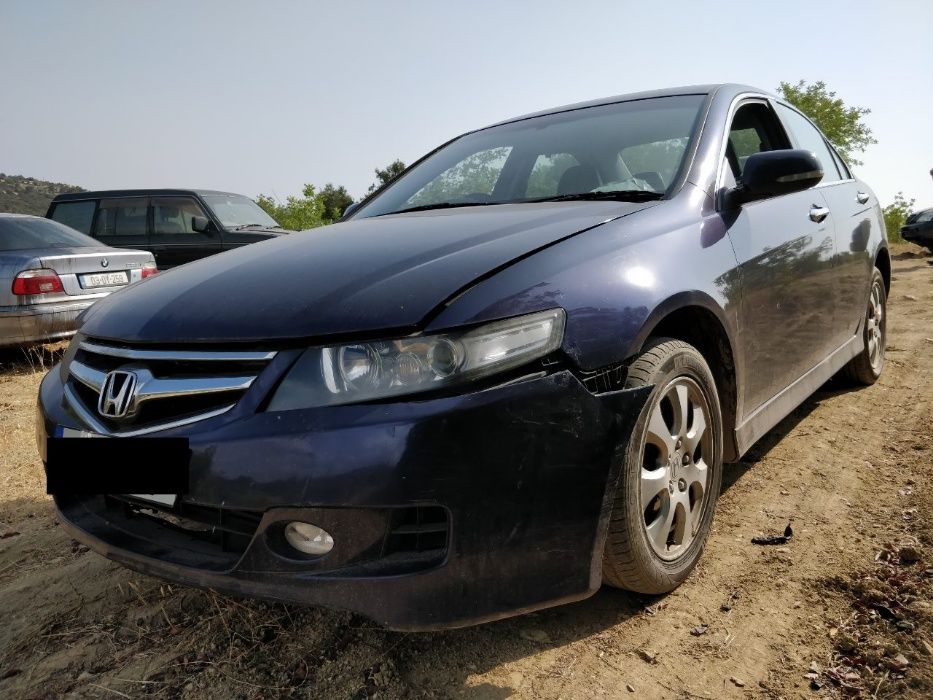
x: 104, y: 279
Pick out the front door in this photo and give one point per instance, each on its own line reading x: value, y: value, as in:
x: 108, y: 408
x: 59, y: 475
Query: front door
x: 174, y: 240
x: 784, y: 246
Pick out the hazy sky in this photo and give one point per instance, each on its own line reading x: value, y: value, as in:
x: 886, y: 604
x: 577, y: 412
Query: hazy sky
x: 265, y: 96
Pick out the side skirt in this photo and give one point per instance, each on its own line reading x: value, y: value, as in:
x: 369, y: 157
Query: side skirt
x: 779, y: 406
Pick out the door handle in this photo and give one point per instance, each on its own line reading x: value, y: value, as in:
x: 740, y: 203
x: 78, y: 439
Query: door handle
x: 818, y: 213
x: 862, y: 197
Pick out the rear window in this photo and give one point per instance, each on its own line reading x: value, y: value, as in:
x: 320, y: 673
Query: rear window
x: 26, y: 233
x: 77, y: 215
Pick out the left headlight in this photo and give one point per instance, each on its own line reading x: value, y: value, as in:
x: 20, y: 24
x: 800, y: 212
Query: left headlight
x: 356, y: 372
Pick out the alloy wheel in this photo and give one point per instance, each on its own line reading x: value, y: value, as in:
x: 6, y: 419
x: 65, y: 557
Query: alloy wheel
x: 875, y: 326
x: 674, y: 472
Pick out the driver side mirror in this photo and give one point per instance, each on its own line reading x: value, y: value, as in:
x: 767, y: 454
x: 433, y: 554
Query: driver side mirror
x: 773, y: 173
x: 200, y: 224
x: 352, y: 207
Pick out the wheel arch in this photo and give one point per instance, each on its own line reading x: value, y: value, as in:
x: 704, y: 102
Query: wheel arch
x: 695, y: 318
x: 883, y: 263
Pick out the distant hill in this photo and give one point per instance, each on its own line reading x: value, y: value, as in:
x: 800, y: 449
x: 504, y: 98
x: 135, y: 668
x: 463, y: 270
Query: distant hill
x: 27, y: 195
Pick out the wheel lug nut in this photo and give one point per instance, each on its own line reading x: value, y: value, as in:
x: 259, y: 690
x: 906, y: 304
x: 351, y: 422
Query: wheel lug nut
x: 682, y: 485
x: 686, y: 460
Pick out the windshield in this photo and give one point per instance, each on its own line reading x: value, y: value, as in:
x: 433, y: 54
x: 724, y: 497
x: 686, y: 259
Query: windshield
x: 235, y: 210
x: 25, y: 233
x: 628, y: 149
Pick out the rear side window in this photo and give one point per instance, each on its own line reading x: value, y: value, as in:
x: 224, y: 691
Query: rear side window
x: 77, y: 215
x: 174, y: 214
x: 810, y: 139
x: 121, y: 217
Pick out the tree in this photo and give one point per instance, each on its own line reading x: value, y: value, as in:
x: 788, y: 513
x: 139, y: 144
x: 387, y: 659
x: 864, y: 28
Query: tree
x: 384, y: 176
x: 297, y: 213
x: 844, y: 126
x: 335, y: 201
x: 896, y: 214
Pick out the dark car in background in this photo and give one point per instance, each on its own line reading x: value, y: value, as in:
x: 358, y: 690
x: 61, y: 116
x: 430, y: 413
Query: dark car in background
x: 50, y: 273
x: 919, y: 228
x: 177, y: 226
x: 512, y: 374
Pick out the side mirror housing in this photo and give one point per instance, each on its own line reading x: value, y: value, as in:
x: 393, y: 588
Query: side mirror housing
x: 773, y: 173
x: 352, y: 207
x: 201, y: 224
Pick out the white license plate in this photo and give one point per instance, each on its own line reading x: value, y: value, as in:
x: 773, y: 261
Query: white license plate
x: 165, y: 499
x: 104, y: 279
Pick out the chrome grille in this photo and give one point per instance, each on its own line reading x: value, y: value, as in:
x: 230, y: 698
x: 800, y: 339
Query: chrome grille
x: 173, y: 387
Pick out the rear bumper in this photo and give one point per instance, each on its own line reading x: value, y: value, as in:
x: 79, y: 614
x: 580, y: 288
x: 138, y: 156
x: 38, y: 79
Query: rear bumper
x: 524, y: 473
x: 39, y: 323
x: 920, y: 236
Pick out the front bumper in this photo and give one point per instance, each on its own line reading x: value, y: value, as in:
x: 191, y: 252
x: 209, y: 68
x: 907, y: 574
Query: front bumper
x: 39, y: 323
x: 525, y: 474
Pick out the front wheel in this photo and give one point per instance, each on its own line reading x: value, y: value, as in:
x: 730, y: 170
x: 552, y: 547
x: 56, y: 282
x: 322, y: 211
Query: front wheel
x: 865, y: 368
x: 670, y: 480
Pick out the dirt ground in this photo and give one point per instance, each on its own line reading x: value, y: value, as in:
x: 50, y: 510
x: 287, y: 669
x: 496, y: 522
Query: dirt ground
x: 842, y: 609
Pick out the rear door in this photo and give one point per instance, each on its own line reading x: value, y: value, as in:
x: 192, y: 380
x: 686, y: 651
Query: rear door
x: 784, y: 246
x: 174, y: 240
x: 854, y: 210
x: 122, y: 222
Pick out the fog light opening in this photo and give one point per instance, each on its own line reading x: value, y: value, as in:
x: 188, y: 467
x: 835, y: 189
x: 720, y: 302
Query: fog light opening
x: 308, y: 538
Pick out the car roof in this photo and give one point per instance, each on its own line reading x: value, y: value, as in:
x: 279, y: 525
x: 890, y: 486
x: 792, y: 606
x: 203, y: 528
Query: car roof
x: 729, y: 89
x: 11, y: 215
x: 163, y: 192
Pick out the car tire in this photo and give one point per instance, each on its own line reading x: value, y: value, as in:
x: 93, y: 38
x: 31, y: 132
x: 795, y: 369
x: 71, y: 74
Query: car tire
x: 671, y: 475
x: 866, y: 367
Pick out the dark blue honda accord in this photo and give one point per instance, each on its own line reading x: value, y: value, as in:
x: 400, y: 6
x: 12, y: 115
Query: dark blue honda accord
x: 511, y: 375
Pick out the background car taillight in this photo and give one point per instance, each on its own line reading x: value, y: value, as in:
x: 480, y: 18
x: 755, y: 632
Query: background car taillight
x: 31, y: 282
x: 149, y: 269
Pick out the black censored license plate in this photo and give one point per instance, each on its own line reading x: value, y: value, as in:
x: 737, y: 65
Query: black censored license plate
x: 154, y: 469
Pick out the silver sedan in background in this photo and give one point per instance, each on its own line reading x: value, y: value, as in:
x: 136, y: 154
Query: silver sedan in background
x: 50, y: 273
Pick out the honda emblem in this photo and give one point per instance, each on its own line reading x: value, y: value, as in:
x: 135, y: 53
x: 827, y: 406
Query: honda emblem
x: 118, y: 394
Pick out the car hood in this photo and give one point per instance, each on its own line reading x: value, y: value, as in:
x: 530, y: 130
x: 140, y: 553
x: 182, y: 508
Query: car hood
x: 360, y: 276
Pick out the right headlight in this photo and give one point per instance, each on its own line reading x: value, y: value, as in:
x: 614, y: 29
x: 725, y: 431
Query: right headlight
x: 356, y: 372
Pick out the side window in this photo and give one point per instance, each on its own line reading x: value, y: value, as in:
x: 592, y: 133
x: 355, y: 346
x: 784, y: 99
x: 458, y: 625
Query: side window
x: 121, y: 217
x: 546, y: 174
x: 174, y: 214
x: 810, y: 139
x: 754, y: 129
x: 77, y: 215
x: 472, y: 179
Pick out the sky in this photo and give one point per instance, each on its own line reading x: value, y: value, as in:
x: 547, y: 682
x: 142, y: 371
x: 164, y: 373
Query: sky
x: 262, y: 97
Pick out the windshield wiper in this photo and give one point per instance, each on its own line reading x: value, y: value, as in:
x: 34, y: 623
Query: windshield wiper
x: 243, y: 226
x: 440, y: 205
x: 619, y: 195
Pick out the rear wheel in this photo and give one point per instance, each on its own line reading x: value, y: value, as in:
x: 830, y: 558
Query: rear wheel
x: 865, y: 368
x: 670, y: 480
